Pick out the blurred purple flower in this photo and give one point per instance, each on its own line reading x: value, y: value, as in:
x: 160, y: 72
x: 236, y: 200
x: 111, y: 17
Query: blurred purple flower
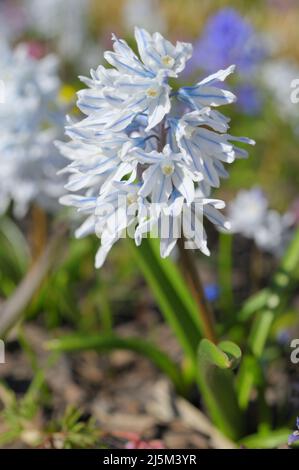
x: 294, y: 437
x: 249, y: 98
x: 227, y: 39
x: 283, y: 338
x: 211, y: 292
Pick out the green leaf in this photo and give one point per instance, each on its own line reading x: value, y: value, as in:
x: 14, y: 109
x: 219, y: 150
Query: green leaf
x: 233, y: 352
x: 109, y: 342
x: 17, y: 241
x: 180, y: 311
x: 266, y: 440
x: 259, y: 332
x: 14, y: 256
x: 270, y: 303
x: 208, y: 351
x: 226, y: 355
x: 216, y: 381
x: 255, y: 303
x: 283, y: 280
x: 249, y: 374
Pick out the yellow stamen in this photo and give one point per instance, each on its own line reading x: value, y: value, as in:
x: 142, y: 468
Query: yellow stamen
x: 168, y: 169
x: 168, y: 61
x: 132, y: 198
x: 152, y: 92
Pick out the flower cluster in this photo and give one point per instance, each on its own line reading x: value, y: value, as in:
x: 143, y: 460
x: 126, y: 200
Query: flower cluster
x: 30, y: 120
x: 249, y: 215
x: 148, y: 152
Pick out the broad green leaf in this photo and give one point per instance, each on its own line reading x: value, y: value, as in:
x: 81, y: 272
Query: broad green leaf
x: 233, y: 352
x: 208, y: 351
x: 266, y: 441
x: 180, y: 311
x: 225, y: 355
x: 217, y: 385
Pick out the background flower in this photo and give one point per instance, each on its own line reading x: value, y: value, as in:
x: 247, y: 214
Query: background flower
x: 31, y: 118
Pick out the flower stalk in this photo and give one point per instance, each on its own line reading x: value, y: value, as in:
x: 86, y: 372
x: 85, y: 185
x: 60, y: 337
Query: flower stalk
x: 194, y: 281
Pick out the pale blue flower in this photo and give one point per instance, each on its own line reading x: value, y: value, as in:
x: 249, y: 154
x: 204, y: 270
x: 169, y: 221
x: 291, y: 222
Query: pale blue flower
x: 204, y: 149
x: 31, y: 118
x: 166, y: 172
x: 205, y: 93
x: 176, y: 219
x: 157, y: 149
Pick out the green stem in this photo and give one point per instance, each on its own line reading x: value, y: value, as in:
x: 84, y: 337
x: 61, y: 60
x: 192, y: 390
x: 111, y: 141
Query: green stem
x: 106, y: 311
x: 204, y: 310
x: 225, y: 273
x: 172, y: 295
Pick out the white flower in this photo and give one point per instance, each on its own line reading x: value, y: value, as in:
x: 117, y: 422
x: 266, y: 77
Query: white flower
x: 247, y: 211
x: 278, y: 76
x: 249, y: 215
x: 165, y: 173
x: 30, y: 121
x: 137, y: 137
x: 275, y: 233
x: 205, y: 93
x: 65, y: 21
x: 146, y: 13
x: 176, y: 219
x: 159, y: 55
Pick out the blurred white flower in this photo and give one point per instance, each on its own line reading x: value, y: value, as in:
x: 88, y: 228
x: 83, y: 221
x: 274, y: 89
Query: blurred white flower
x: 249, y: 215
x: 146, y: 13
x: 65, y: 21
x: 278, y: 76
x: 247, y: 211
x: 30, y: 121
x: 144, y: 151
